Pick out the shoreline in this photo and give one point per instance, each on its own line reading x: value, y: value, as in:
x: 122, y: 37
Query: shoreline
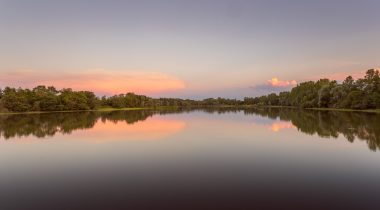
x: 327, y: 109
x: 70, y: 111
x: 346, y: 110
x: 108, y: 109
x: 294, y: 107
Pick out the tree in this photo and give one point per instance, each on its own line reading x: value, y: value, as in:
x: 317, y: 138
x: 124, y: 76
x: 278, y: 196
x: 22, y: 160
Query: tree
x: 92, y: 100
x: 284, y: 98
x: 73, y: 100
x: 337, y: 94
x: 273, y: 99
x: 355, y: 100
x: 44, y: 99
x: 15, y: 100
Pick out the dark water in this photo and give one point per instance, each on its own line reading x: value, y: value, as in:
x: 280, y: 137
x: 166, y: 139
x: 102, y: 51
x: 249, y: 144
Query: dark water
x: 190, y: 159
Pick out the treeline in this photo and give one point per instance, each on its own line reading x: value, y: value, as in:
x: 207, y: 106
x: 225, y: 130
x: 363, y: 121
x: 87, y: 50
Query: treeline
x: 363, y: 93
x: 42, y: 98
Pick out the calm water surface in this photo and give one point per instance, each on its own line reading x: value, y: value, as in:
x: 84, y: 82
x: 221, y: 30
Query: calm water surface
x: 190, y: 159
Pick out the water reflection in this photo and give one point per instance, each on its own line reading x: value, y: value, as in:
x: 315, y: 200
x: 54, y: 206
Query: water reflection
x: 278, y: 126
x: 325, y: 124
x: 50, y: 124
x: 154, y: 128
x: 329, y: 124
x: 205, y: 159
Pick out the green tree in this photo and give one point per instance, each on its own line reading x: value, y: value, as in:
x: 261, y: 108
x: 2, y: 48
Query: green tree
x: 273, y: 99
x: 73, y: 100
x: 15, y: 100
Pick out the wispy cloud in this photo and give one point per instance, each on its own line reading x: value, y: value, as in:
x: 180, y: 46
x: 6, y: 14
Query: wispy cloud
x: 99, y: 81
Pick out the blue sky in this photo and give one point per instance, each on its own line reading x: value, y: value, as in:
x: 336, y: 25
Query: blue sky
x: 197, y: 48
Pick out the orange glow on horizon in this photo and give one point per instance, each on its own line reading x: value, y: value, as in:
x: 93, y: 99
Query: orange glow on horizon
x: 98, y: 81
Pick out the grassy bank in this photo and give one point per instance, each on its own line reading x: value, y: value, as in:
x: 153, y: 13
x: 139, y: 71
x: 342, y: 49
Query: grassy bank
x: 107, y: 109
x: 325, y: 109
x: 347, y: 110
x: 102, y: 109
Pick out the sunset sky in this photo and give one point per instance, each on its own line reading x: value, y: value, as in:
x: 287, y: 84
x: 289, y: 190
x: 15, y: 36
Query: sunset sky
x: 188, y: 49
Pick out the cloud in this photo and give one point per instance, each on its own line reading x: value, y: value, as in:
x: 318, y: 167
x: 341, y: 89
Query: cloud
x: 99, y: 81
x: 275, y: 82
x: 273, y: 85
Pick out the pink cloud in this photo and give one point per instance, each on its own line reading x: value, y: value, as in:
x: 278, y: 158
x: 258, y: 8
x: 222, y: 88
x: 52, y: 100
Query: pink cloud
x: 275, y: 82
x: 99, y: 81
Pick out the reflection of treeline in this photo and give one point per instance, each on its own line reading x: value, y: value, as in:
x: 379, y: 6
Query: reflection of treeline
x: 352, y: 125
x: 129, y: 117
x: 326, y: 124
x: 43, y: 125
x: 207, y: 109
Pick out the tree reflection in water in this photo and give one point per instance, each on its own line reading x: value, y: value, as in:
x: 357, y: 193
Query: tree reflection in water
x: 326, y: 124
x: 48, y: 124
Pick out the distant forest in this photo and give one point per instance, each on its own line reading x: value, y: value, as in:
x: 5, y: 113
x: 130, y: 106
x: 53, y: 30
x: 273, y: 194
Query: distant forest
x: 363, y: 93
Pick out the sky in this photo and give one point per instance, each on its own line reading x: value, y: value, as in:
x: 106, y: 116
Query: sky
x: 188, y: 49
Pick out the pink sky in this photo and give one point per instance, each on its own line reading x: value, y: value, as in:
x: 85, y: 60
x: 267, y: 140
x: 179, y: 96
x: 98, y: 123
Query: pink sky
x: 99, y: 81
x: 151, y: 83
x: 185, y: 49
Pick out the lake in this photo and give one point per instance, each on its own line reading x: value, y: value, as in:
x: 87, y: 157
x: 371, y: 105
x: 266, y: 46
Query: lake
x: 190, y: 159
